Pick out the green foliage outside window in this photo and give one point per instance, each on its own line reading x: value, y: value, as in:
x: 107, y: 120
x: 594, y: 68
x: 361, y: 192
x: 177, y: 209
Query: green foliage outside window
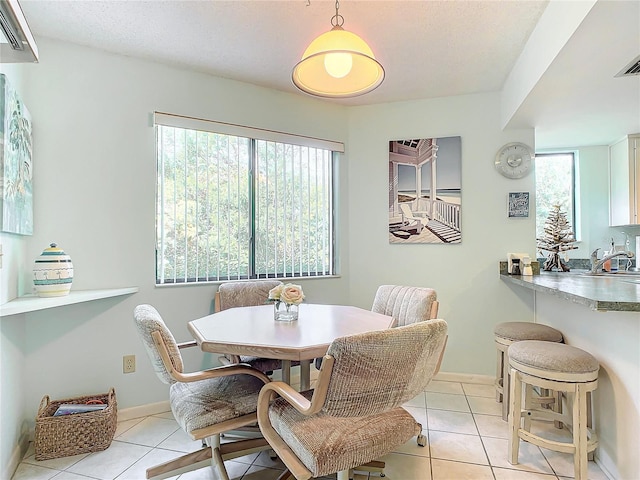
x: 555, y: 182
x: 231, y: 207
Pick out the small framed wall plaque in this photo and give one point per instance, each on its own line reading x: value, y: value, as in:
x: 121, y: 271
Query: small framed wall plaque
x: 518, y: 204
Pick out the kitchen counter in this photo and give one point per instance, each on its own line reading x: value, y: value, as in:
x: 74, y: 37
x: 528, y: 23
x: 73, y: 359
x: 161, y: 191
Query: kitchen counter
x: 600, y: 293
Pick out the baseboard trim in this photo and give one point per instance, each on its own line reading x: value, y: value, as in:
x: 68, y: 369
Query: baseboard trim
x: 143, y: 410
x: 465, y: 378
x: 16, y: 456
x: 599, y: 461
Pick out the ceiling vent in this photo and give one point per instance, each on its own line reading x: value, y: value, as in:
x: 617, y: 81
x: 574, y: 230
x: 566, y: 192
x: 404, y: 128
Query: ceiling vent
x: 632, y: 68
x: 18, y: 44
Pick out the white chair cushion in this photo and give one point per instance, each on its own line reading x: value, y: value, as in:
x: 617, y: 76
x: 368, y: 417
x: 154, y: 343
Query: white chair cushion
x: 245, y: 294
x: 558, y: 360
x: 380, y: 370
x: 517, y: 331
x: 148, y: 320
x: 405, y: 304
x: 201, y: 404
x: 327, y: 444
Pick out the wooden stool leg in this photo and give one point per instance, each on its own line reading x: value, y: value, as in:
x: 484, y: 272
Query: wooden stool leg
x: 580, y: 432
x: 528, y: 406
x: 499, y: 375
x: 590, y: 455
x: 557, y: 407
x: 515, y: 409
x: 505, y: 387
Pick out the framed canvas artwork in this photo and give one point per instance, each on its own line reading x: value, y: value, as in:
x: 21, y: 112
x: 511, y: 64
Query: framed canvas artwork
x: 16, y: 186
x: 425, y: 190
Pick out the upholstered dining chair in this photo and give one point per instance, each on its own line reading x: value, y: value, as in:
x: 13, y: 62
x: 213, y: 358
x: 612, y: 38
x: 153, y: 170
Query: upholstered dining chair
x: 205, y: 403
x: 246, y: 294
x: 354, y: 414
x: 406, y: 304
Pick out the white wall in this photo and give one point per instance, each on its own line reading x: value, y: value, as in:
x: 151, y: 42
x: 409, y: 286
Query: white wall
x: 593, y: 174
x: 94, y: 195
x: 472, y: 297
x: 94, y: 191
x: 13, y: 431
x: 613, y: 338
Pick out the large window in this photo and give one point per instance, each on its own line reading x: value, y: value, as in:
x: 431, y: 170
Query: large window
x: 555, y: 185
x: 236, y: 203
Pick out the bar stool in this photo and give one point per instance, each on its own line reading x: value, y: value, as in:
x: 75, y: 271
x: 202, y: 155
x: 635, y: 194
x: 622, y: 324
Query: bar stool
x: 562, y: 368
x: 505, y: 334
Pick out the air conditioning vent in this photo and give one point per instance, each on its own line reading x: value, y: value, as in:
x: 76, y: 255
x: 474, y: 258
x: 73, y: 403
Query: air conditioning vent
x: 632, y: 68
x: 20, y: 46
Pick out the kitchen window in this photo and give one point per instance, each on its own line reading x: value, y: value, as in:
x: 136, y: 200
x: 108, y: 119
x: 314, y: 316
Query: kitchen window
x: 236, y: 202
x: 555, y: 185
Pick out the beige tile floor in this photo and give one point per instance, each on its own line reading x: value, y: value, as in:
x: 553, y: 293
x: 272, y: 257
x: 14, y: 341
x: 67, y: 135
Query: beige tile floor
x: 467, y: 440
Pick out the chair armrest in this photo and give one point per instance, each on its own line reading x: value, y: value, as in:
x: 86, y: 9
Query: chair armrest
x: 223, y: 371
x: 301, y: 404
x: 434, y: 309
x: 293, y: 397
x: 216, y: 302
x: 216, y: 372
x: 287, y: 456
x: 286, y: 391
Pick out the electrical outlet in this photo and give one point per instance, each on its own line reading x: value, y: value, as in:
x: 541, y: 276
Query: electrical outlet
x: 128, y: 364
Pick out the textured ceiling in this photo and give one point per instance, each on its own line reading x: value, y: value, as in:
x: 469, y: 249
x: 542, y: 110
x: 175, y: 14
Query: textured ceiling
x: 428, y: 48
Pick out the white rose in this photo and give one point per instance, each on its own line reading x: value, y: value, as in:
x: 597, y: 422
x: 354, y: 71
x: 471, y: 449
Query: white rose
x: 275, y: 292
x: 291, y: 294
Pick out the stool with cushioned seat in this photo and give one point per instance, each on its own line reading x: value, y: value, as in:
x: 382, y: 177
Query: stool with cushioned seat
x: 562, y: 368
x: 507, y: 333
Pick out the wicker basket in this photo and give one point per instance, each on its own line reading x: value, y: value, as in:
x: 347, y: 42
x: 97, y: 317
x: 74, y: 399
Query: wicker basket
x: 67, y: 435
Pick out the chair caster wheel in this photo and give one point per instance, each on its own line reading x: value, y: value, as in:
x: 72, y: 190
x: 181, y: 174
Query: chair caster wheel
x: 422, y: 440
x: 273, y: 455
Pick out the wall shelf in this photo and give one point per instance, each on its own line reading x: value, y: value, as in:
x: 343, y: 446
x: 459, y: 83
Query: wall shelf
x: 32, y: 303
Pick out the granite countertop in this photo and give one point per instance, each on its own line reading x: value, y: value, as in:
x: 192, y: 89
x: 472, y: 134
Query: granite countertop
x: 601, y: 293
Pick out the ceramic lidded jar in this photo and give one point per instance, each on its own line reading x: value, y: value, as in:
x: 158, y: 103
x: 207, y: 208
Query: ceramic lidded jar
x: 52, y: 273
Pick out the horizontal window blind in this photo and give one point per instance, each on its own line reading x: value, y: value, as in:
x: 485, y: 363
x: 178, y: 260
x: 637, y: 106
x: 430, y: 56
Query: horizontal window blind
x: 236, y: 207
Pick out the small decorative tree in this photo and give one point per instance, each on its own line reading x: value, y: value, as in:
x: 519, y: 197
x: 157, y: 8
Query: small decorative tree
x: 558, y: 238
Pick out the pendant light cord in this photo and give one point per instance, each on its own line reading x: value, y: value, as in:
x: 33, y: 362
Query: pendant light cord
x: 337, y: 20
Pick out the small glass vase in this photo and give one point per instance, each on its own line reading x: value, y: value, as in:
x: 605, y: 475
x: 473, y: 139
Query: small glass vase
x: 285, y: 312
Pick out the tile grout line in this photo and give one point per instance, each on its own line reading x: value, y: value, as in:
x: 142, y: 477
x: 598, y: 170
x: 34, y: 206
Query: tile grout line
x: 484, y: 449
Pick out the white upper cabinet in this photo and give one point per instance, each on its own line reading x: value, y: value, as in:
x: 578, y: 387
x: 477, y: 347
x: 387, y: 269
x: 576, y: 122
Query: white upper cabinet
x: 624, y: 181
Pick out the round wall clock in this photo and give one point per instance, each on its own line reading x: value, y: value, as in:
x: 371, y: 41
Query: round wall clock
x: 514, y: 160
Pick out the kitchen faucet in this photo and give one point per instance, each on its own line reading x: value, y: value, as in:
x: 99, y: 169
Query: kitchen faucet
x: 596, y: 264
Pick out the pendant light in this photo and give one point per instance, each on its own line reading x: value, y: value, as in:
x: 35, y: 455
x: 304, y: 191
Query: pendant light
x: 338, y: 64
